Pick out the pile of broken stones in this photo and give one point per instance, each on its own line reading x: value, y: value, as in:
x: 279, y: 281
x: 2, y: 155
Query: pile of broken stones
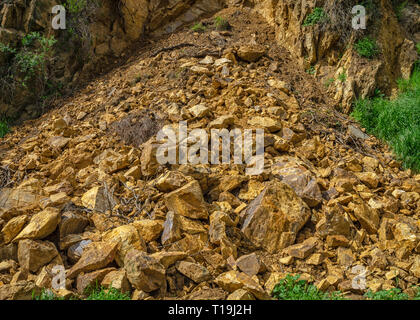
x: 109, y: 213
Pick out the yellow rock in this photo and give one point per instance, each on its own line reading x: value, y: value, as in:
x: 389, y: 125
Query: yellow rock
x: 41, y: 225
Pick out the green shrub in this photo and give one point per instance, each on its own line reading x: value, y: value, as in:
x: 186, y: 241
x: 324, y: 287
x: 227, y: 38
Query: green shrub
x: 418, y: 47
x: 366, y: 47
x: 317, y: 16
x: 391, y: 294
x: 291, y: 288
x: 198, y: 27
x: 395, y: 121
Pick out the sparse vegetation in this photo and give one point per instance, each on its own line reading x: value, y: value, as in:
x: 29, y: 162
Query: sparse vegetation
x: 46, y: 295
x: 4, y: 128
x: 291, y: 288
x: 342, y: 76
x: 93, y: 293
x: 221, y: 24
x: 198, y: 27
x: 366, y: 47
x: 399, y: 7
x: 101, y: 293
x: 329, y: 82
x: 311, y: 70
x: 391, y: 294
x: 395, y: 121
x: 317, y: 16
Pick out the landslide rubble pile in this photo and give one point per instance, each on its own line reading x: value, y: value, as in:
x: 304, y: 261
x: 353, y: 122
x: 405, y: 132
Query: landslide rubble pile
x: 81, y: 186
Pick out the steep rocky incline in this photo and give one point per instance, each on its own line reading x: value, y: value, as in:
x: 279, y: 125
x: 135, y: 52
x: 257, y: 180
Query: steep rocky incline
x: 81, y: 186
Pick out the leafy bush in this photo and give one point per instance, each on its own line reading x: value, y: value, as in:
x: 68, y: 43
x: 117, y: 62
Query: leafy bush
x: 418, y: 47
x: 391, y: 294
x: 291, y: 288
x: 366, y: 47
x: 395, y: 121
x: 198, y: 27
x: 317, y: 16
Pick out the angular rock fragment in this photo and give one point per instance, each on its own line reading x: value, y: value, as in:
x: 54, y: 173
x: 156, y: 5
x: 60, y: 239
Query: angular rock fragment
x: 275, y: 213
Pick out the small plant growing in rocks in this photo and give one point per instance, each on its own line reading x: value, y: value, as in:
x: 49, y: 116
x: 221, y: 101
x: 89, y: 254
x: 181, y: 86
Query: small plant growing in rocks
x: 291, y: 288
x: 317, y: 16
x: 198, y: 27
x: 367, y: 47
x: 221, y: 24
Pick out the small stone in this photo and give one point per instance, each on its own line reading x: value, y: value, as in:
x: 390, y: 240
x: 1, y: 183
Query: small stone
x: 126, y: 237
x: 144, y: 272
x: 251, y: 53
x: 240, y: 294
x: 96, y: 255
x: 304, y: 249
x: 194, y: 271
x: 188, y: 201
x: 250, y: 264
x: 13, y: 227
x: 41, y: 225
x: 32, y: 255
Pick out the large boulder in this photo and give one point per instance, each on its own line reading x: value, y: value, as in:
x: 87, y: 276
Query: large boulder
x: 273, y: 219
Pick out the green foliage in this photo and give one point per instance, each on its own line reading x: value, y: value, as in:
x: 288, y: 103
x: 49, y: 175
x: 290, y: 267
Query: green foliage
x: 4, y: 128
x: 101, y: 293
x: 342, y: 76
x: 329, y: 82
x: 391, y: 294
x: 366, y: 47
x: 291, y: 288
x: 46, y: 295
x: 395, y: 121
x: 198, y: 27
x: 317, y: 16
x: 6, y: 49
x: 418, y: 47
x: 221, y: 24
x: 311, y: 70
x: 75, y: 6
x: 399, y: 7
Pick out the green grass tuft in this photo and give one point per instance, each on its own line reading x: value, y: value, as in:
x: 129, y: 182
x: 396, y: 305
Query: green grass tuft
x: 367, y: 47
x: 395, y: 121
x: 198, y: 27
x: 291, y: 288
